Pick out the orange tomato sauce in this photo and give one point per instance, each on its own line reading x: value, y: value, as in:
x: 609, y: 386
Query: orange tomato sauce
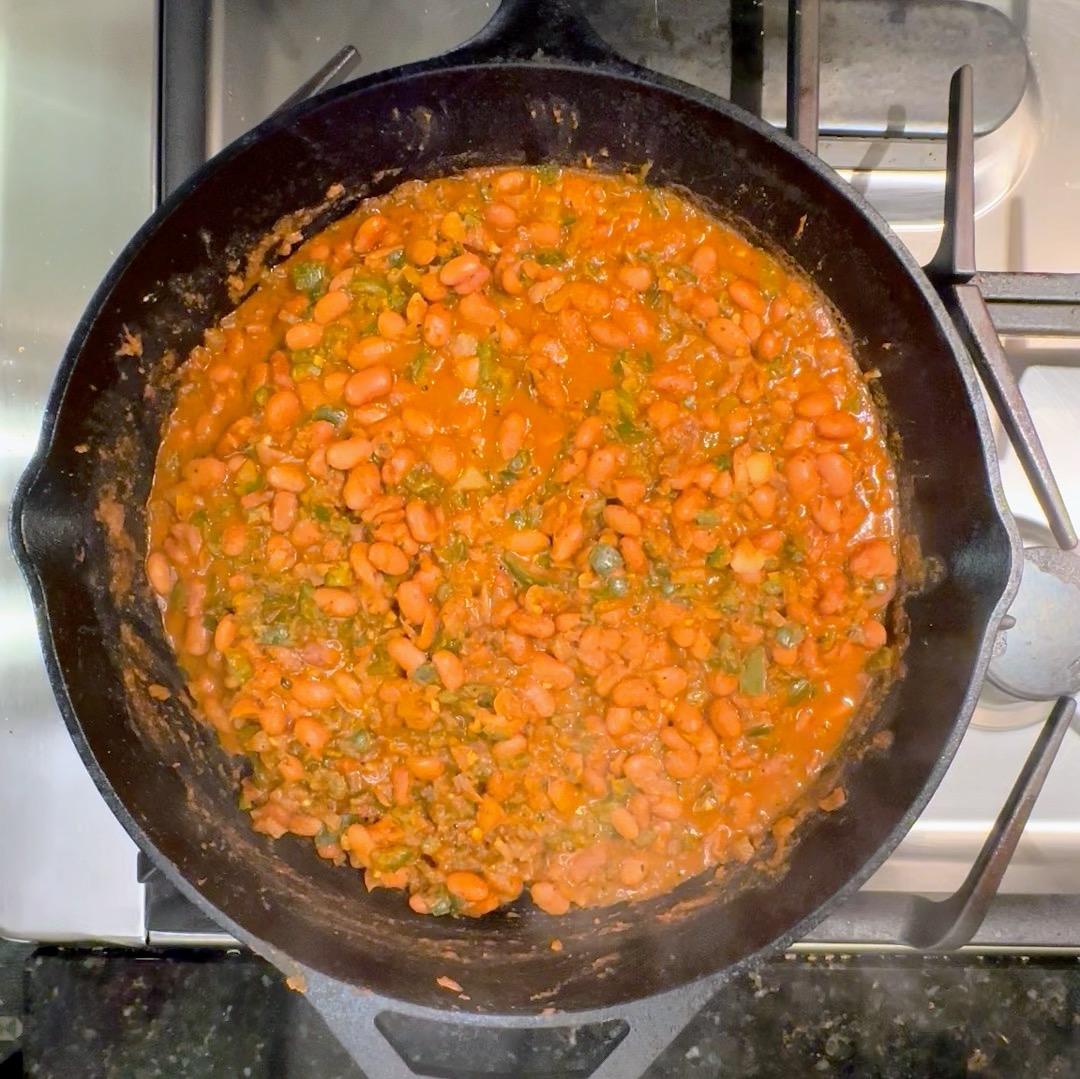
x: 527, y: 530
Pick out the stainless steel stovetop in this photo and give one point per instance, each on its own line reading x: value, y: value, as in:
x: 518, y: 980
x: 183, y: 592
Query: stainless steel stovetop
x: 78, y: 173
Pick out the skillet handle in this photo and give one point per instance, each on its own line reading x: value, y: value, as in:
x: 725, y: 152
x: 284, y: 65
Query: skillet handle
x: 526, y: 29
x: 482, y: 1046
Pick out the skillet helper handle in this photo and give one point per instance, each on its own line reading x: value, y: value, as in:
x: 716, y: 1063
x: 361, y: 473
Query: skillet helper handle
x: 637, y: 1033
x: 950, y: 923
x: 529, y: 29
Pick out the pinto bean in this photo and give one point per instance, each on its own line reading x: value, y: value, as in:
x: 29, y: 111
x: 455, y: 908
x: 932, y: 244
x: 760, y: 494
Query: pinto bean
x: 838, y: 426
x: 511, y: 435
x: 388, y: 558
x: 421, y: 522
x: 160, y: 573
x: 450, y: 669
x: 368, y: 385
x: 465, y: 273
x: 747, y: 295
x: 836, y: 474
x: 331, y: 306
x: 548, y: 898
x: 622, y: 520
x: 404, y: 653
x: 348, y: 453
x: 728, y: 336
x: 303, y: 335
x: 336, y: 602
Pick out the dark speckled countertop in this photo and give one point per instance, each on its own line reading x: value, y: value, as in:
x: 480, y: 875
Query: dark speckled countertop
x: 126, y: 1014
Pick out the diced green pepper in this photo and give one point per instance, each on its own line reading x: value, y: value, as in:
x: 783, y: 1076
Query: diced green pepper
x: 380, y: 664
x: 772, y: 585
x: 523, y: 571
x: 305, y: 602
x: 549, y: 258
x: 329, y: 414
x: 239, y: 665
x: 526, y: 517
x: 248, y: 733
x: 324, y: 837
x: 309, y: 277
x: 422, y: 483
x: 752, y: 680
x: 414, y: 369
x: 519, y: 461
x: 548, y: 173
x: 454, y: 550
x: 605, y: 559
x: 339, y: 575
x: 492, y: 377
x: 881, y: 660
x: 718, y: 558
x: 789, y: 635
x: 274, y: 635
x: 426, y: 674
x: 387, y: 859
x: 617, y: 587
x: 514, y: 467
x: 800, y: 690
x: 790, y: 551
x: 367, y: 287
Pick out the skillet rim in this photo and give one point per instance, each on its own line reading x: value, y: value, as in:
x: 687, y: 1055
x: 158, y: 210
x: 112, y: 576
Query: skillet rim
x: 37, y: 470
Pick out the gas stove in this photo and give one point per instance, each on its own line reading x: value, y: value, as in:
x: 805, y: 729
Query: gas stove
x: 108, y: 106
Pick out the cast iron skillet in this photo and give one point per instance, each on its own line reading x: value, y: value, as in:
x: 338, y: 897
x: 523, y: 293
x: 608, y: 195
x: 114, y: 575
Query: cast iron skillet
x: 502, y: 98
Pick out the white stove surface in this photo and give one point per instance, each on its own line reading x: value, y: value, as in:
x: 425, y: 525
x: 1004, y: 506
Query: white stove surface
x: 76, y: 125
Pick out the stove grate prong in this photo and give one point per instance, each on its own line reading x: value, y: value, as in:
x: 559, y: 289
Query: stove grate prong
x: 952, y: 269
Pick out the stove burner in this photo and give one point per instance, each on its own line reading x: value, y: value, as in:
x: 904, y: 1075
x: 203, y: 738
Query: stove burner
x: 1041, y: 658
x: 1001, y: 711
x: 998, y: 709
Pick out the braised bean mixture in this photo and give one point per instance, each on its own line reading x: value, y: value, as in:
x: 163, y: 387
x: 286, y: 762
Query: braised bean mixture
x: 527, y: 530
